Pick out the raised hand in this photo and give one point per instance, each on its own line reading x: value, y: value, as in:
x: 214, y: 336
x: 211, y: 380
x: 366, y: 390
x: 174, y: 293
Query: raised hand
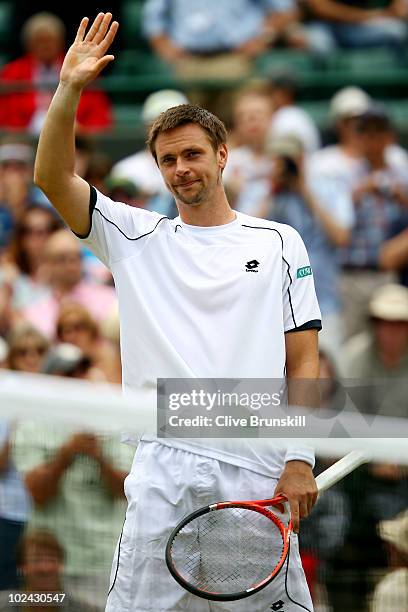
x: 86, y: 57
x: 80, y: 444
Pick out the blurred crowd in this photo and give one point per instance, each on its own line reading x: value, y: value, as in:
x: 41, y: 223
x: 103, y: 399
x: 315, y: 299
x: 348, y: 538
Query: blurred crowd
x: 61, y: 493
x: 212, y: 38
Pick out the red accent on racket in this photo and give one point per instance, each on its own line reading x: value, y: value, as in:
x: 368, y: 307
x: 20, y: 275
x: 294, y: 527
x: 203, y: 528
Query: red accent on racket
x: 229, y: 550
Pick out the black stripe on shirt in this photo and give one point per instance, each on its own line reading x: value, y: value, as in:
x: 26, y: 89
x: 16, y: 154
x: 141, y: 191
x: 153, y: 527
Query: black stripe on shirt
x: 92, y: 207
x: 272, y: 229
x: 123, y: 233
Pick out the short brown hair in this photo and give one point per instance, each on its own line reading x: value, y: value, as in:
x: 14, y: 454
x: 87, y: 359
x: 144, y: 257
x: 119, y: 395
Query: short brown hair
x: 183, y: 115
x: 39, y: 538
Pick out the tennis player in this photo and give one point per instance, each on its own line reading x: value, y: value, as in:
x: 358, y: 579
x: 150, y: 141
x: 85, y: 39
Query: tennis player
x: 212, y: 293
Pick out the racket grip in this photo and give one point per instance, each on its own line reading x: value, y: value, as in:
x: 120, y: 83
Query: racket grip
x: 340, y: 469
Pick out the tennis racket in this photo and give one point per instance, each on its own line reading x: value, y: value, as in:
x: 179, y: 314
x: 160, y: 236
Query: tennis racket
x: 232, y: 549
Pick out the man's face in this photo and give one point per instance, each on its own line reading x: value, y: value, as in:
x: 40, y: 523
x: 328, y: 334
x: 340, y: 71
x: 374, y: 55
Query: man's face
x: 190, y: 167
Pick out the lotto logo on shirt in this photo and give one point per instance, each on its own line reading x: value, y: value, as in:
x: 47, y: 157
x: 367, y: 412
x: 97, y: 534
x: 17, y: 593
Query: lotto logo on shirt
x: 278, y: 605
x: 302, y: 272
x: 251, y: 266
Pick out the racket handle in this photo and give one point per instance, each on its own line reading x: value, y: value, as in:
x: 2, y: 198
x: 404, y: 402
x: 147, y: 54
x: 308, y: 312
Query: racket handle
x: 340, y: 469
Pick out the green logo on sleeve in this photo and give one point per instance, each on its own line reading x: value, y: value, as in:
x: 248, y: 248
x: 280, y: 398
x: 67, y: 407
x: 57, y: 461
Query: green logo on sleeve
x: 302, y: 272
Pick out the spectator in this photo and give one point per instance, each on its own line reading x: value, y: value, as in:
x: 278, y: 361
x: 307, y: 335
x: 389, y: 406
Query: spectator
x: 76, y: 483
x: 64, y: 269
x: 212, y: 39
x: 27, y: 349
x: 380, y: 197
x: 248, y: 162
x: 381, y: 353
x: 41, y: 560
x: 16, y: 184
x: 391, y: 593
x: 343, y: 161
x: 22, y: 266
x: 288, y: 119
x: 323, y: 217
x: 26, y: 352
x: 43, y: 37
x: 334, y: 23
x: 76, y: 326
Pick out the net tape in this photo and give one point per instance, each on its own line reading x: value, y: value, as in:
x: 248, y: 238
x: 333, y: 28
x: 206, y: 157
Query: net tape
x: 103, y: 408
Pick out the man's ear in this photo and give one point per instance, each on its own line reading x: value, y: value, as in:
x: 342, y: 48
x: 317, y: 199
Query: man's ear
x: 222, y: 156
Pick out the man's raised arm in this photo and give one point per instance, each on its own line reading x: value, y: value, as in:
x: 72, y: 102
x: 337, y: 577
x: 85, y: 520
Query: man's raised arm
x: 55, y: 161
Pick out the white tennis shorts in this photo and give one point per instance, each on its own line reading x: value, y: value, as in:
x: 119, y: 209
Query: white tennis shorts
x: 164, y: 485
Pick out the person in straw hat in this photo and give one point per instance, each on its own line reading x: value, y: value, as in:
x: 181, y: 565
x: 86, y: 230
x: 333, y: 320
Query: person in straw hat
x: 391, y: 593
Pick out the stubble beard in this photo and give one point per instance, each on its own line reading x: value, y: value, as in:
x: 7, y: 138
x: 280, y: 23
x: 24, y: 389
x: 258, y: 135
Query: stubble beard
x: 193, y: 200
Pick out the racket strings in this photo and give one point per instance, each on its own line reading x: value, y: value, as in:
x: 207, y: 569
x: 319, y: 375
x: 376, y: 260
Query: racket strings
x: 227, y: 550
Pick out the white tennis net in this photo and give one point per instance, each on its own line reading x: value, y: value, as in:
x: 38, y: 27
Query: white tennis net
x: 73, y: 429
x: 104, y: 408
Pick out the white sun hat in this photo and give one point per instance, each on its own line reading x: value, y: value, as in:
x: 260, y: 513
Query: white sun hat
x: 160, y: 101
x: 349, y: 102
x: 390, y: 303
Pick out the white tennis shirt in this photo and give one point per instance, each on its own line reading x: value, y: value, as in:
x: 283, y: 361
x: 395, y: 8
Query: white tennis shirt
x: 205, y: 302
